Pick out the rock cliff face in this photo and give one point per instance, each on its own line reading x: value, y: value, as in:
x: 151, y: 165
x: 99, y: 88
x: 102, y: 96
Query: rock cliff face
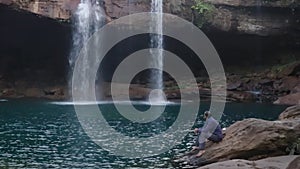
x: 237, y: 28
x: 246, y: 17
x: 118, y: 8
x: 253, y: 3
x: 57, y: 9
x: 258, y: 17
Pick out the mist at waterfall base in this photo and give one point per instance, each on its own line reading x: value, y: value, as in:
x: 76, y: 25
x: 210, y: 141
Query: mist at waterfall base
x: 39, y: 134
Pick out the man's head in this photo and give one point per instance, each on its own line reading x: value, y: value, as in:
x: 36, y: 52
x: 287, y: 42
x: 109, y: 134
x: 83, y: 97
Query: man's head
x: 207, y: 114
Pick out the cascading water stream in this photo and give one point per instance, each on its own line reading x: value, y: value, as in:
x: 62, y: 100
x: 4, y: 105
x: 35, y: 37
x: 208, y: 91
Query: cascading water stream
x: 157, y: 55
x: 89, y: 17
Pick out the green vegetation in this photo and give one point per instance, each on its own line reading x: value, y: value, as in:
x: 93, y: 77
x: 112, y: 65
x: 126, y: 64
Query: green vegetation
x: 278, y: 68
x: 282, y: 67
x: 205, y: 11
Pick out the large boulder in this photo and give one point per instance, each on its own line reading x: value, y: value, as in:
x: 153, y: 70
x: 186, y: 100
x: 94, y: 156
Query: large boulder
x: 291, y: 99
x: 290, y: 69
x: 249, y: 139
x: 289, y: 84
x: 281, y: 162
x: 290, y: 113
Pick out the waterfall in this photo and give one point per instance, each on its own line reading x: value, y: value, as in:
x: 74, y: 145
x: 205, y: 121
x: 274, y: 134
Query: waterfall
x: 88, y: 17
x: 157, y: 42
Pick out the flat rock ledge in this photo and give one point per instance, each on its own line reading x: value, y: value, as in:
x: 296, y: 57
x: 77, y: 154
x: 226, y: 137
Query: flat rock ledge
x: 250, y: 139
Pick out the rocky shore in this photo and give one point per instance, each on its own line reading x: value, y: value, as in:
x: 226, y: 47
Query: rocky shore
x: 250, y: 140
x: 280, y: 85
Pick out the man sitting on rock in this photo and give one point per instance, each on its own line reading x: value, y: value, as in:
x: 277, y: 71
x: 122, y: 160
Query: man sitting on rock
x: 210, y: 131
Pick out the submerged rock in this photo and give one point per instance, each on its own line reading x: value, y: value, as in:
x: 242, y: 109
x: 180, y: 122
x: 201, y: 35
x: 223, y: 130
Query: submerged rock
x: 250, y: 139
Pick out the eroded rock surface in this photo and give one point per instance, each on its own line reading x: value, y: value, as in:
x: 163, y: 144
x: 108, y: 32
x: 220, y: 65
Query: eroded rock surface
x: 253, y: 3
x: 57, y: 9
x: 290, y: 99
x: 290, y: 113
x: 248, y: 17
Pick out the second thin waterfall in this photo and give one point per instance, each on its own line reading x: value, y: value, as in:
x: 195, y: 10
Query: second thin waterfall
x: 157, y: 43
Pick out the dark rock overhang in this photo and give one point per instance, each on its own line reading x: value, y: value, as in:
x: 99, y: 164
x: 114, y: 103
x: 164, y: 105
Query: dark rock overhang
x: 33, y: 43
x: 30, y: 42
